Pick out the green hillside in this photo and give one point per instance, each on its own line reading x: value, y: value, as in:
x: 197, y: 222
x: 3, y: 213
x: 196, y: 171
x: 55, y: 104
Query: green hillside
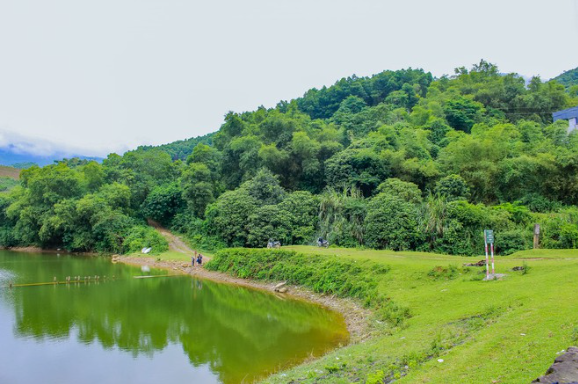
x: 568, y: 78
x: 181, y: 149
x: 398, y: 160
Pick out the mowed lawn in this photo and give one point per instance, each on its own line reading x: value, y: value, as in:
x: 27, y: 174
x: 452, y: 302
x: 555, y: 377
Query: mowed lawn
x: 504, y: 331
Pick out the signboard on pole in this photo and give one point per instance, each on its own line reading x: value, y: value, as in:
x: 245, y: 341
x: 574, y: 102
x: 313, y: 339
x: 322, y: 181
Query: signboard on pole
x: 489, y: 239
x: 489, y: 236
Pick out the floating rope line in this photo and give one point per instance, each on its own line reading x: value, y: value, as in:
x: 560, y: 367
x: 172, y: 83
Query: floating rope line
x: 69, y: 280
x: 83, y: 280
x: 151, y: 276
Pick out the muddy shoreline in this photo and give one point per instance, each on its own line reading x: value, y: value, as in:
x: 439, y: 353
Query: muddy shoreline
x: 357, y: 318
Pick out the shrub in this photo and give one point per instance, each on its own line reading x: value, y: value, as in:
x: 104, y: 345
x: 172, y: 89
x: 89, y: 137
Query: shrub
x: 322, y: 274
x: 538, y: 203
x: 392, y: 223
x: 140, y: 237
x: 452, y: 187
x: 512, y: 241
x: 375, y: 378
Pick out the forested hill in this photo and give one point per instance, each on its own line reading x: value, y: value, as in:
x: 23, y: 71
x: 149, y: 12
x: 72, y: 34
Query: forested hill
x: 181, y: 149
x: 398, y: 160
x: 568, y: 79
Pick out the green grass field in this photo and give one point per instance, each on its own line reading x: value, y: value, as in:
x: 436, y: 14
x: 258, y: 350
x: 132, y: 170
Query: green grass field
x: 505, y: 331
x: 502, y: 331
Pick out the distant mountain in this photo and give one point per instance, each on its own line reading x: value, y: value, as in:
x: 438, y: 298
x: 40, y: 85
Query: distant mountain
x: 10, y: 157
x: 24, y: 165
x: 568, y: 78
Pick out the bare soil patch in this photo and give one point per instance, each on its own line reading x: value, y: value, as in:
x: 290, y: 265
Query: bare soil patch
x: 13, y: 173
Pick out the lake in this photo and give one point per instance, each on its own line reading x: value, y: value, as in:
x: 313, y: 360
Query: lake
x: 114, y: 328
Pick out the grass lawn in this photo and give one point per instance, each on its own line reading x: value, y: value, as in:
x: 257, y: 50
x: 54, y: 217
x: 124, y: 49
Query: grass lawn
x: 504, y: 331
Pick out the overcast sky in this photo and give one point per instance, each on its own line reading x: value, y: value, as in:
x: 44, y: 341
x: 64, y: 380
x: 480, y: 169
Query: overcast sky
x: 107, y: 75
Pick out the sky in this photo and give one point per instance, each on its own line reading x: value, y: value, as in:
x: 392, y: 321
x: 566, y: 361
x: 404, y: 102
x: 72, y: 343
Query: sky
x: 95, y: 77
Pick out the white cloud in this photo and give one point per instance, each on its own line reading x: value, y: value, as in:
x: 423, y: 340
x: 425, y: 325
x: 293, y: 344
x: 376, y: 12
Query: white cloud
x: 21, y: 144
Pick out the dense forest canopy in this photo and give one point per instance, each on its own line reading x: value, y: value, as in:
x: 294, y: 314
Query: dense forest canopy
x: 569, y: 79
x: 398, y: 160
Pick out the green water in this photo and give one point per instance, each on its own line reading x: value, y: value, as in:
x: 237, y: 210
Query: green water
x: 156, y: 330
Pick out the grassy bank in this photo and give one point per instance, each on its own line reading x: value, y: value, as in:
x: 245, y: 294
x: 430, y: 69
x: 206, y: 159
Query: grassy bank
x: 449, y: 325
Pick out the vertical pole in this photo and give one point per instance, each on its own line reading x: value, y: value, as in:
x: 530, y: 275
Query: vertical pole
x: 536, y: 236
x: 487, y: 261
x: 492, y: 249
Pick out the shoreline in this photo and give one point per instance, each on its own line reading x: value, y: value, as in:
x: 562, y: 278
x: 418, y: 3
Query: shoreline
x: 34, y: 249
x: 357, y: 318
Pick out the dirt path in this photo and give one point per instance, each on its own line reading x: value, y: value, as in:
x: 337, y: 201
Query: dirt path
x: 175, y: 243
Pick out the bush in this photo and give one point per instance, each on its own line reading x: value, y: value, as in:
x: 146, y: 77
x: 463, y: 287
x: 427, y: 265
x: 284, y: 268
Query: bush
x: 538, y: 203
x: 452, y: 187
x: 560, y: 230
x: 375, y: 378
x: 140, y: 237
x: 163, y: 203
x: 322, y: 274
x: 392, y: 223
x: 512, y: 241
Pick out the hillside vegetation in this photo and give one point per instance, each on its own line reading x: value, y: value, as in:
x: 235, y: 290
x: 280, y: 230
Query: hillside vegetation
x: 9, y: 172
x: 8, y: 178
x: 569, y: 79
x: 398, y: 160
x: 435, y: 320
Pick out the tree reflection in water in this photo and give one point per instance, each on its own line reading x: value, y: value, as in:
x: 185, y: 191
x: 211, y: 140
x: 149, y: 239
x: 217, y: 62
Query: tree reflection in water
x: 240, y: 334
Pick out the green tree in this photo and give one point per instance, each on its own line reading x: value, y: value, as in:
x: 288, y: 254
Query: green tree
x: 227, y: 217
x: 452, y: 187
x: 163, y: 203
x: 265, y: 188
x: 392, y: 223
x: 359, y: 168
x: 198, y: 188
x: 462, y: 113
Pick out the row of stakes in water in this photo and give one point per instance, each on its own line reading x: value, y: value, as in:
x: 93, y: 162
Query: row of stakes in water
x: 72, y: 280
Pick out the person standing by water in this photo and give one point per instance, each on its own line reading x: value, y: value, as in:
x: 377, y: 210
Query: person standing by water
x: 200, y: 259
x: 193, y: 259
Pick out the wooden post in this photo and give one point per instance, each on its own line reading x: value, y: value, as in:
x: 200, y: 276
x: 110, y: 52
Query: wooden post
x: 536, y: 236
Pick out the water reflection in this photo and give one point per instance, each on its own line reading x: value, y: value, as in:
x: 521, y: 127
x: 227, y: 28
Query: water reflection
x: 234, y: 333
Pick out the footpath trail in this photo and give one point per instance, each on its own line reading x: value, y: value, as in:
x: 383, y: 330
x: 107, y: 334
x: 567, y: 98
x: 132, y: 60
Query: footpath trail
x: 175, y: 243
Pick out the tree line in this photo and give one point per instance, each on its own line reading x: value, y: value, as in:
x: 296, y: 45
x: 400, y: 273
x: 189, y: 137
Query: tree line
x: 398, y: 160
